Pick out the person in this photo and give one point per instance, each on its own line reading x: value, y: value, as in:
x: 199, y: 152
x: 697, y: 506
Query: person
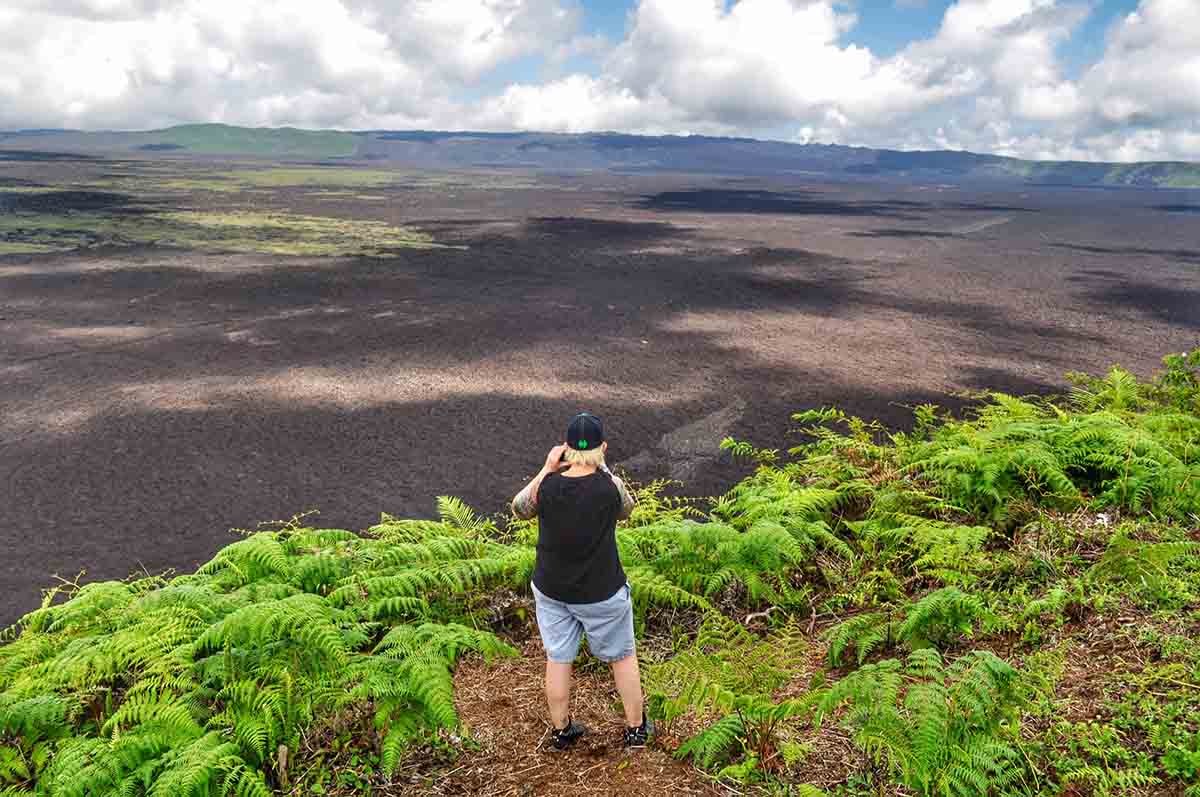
x: 579, y: 586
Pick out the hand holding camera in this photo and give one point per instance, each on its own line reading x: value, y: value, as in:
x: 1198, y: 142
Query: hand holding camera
x: 556, y: 459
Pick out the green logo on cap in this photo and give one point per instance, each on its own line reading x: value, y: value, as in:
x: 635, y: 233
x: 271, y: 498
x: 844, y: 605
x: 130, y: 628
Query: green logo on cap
x: 583, y: 443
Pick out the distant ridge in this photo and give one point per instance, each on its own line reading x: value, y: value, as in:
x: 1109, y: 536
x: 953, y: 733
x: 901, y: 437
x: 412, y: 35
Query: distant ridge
x: 602, y: 151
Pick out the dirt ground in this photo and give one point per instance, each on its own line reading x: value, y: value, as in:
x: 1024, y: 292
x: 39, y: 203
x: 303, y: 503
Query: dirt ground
x: 151, y: 399
x: 502, y: 709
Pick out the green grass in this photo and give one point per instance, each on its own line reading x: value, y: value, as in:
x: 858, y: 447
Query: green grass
x: 1006, y: 604
x: 276, y: 233
x: 1183, y: 175
x: 317, y: 176
x: 19, y: 248
x: 249, y: 180
x: 1163, y: 175
x: 236, y: 224
x: 346, y: 195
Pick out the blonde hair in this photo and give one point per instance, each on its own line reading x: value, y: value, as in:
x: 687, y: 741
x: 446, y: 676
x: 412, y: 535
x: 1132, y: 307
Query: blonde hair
x: 591, y: 459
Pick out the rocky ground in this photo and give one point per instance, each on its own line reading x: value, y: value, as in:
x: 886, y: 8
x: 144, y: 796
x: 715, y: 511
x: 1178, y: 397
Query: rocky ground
x: 152, y: 398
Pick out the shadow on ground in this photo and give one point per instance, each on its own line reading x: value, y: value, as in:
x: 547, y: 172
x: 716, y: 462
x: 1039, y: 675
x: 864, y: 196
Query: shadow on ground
x: 71, y: 202
x: 1183, y: 255
x: 759, y: 201
x: 41, y: 157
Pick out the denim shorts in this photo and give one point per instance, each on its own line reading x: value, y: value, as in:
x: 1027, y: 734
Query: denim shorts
x: 608, y: 625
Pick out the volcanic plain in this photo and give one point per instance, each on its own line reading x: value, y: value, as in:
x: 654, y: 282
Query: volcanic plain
x: 192, y: 347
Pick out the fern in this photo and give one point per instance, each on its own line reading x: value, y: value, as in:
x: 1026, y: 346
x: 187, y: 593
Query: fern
x: 460, y: 517
x: 255, y: 558
x: 940, y: 618
x: 729, y: 672
x: 1142, y: 564
x: 938, y: 729
x: 719, y: 740
x: 864, y: 634
x: 927, y: 548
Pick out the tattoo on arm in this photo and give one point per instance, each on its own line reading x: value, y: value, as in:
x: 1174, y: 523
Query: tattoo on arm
x: 628, y: 502
x: 525, y: 504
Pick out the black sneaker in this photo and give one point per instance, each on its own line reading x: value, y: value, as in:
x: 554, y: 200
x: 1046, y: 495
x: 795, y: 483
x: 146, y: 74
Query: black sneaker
x: 636, y: 738
x: 561, y: 739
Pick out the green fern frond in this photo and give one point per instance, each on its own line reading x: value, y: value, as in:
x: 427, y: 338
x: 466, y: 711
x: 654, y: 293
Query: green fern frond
x: 717, y: 741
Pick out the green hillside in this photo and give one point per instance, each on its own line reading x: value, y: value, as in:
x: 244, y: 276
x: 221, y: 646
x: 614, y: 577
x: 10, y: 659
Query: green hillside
x: 589, y: 151
x: 1146, y: 175
x: 217, y: 139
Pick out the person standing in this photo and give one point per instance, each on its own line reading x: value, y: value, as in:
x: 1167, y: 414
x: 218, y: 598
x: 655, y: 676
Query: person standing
x: 579, y: 586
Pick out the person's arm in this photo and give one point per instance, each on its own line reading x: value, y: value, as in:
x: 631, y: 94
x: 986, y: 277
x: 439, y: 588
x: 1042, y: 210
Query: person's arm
x: 524, y: 505
x: 628, y: 502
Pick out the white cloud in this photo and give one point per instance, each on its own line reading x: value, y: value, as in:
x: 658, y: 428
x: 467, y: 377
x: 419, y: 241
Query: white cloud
x: 343, y: 63
x: 580, y: 103
x: 759, y: 63
x: 1151, y: 68
x: 990, y: 79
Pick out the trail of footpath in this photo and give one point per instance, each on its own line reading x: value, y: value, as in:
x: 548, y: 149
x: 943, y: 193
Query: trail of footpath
x: 502, y: 708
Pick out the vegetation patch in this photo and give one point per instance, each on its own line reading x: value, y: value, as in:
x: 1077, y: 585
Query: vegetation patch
x: 19, y: 248
x: 1002, y: 605
x: 347, y: 195
x: 235, y: 231
x: 249, y: 179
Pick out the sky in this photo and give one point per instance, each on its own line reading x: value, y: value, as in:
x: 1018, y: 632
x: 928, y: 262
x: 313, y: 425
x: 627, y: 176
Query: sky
x: 1049, y: 79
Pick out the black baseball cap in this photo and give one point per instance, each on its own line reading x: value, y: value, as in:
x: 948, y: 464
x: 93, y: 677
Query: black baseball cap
x: 585, y: 432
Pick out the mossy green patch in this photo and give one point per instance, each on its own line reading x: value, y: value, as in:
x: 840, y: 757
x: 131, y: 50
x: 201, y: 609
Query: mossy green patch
x: 346, y: 195
x: 286, y: 233
x: 232, y: 181
x: 241, y: 231
x: 19, y: 248
x: 186, y: 184
x: 316, y: 176
x: 248, y: 180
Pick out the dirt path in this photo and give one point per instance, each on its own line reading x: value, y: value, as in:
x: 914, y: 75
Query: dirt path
x: 502, y: 708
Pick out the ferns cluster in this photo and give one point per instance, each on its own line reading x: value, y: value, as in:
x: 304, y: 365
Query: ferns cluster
x: 203, y: 684
x: 941, y: 730
x: 1016, y: 451
x: 936, y: 620
x: 729, y: 673
x: 1147, y: 565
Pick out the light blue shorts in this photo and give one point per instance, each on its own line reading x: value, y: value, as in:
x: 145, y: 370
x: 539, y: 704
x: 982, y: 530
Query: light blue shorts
x: 608, y: 625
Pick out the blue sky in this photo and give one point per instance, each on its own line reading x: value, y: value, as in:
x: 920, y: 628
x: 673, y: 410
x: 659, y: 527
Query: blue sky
x: 886, y: 26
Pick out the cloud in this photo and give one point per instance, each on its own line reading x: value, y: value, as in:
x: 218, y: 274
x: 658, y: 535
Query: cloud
x: 991, y: 78
x: 761, y: 63
x: 1150, y: 73
x: 695, y: 65
x: 344, y: 63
